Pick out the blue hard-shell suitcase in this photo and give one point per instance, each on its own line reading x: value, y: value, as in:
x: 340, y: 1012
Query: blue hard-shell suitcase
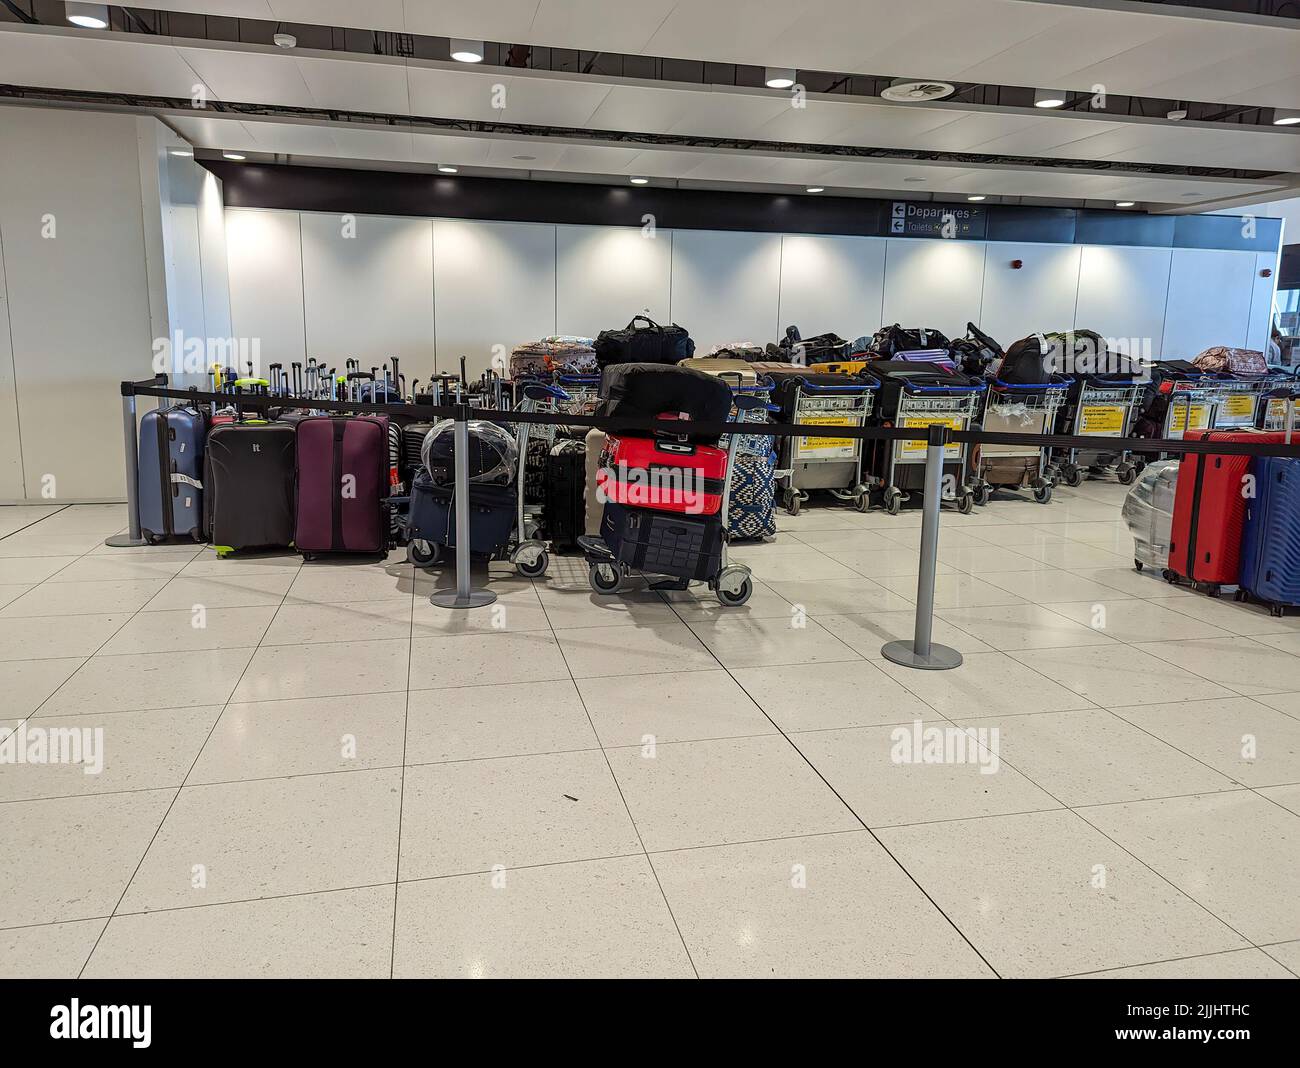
x: 1270, y: 544
x: 170, y: 484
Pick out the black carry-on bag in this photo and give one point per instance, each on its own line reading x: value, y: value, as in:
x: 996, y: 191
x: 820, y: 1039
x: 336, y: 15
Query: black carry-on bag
x: 250, y: 481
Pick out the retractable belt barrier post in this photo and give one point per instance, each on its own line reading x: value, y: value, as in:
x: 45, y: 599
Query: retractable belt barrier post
x: 133, y: 536
x: 920, y: 652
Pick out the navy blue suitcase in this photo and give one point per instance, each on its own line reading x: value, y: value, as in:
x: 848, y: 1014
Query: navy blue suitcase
x: 433, y: 515
x: 170, y: 483
x: 1270, y: 543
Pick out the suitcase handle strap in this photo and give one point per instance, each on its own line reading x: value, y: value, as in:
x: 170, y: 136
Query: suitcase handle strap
x: 186, y: 480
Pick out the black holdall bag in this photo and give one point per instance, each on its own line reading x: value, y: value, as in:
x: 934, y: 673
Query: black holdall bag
x: 648, y: 390
x: 889, y: 340
x: 821, y: 348
x: 976, y: 352
x: 648, y: 343
x: 1027, y: 361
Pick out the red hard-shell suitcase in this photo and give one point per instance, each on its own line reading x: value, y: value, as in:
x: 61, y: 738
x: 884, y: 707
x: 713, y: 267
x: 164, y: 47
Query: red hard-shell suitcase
x: 665, y: 474
x: 343, y: 469
x: 1210, y: 508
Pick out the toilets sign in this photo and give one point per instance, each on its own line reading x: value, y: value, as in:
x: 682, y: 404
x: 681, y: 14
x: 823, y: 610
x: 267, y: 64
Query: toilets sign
x: 936, y: 220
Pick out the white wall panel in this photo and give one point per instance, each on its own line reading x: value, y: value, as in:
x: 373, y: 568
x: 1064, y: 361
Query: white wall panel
x: 1261, y: 301
x: 831, y: 283
x: 78, y: 300
x: 1037, y: 297
x: 11, y: 468
x: 933, y: 283
x: 493, y: 285
x: 212, y: 250
x: 265, y: 256
x: 1209, y: 301
x: 1122, y: 293
x: 607, y: 274
x: 370, y: 295
x: 725, y: 286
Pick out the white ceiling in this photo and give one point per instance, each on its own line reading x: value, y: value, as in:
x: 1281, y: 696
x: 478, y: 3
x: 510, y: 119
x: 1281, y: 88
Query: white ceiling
x: 68, y: 58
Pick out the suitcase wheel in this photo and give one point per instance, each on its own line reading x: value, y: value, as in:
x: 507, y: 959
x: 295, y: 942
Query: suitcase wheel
x: 1137, y: 565
x: 1169, y: 576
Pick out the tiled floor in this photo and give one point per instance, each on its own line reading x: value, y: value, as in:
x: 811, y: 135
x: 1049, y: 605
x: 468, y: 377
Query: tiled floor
x: 310, y: 770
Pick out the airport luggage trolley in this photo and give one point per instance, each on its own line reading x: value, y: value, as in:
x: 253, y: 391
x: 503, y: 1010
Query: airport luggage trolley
x: 1238, y: 398
x: 953, y: 404
x: 1100, y: 408
x: 823, y: 463
x: 582, y: 393
x: 1191, y: 407
x: 1019, y: 408
x: 1273, y: 404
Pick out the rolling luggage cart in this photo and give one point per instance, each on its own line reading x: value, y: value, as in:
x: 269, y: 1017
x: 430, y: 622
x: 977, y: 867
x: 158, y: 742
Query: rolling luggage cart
x: 1018, y: 408
x: 1099, y: 407
x: 915, y: 396
x: 823, y: 463
x: 679, y: 546
x: 1238, y: 398
x: 530, y: 553
x: 1273, y: 404
x: 1180, y: 399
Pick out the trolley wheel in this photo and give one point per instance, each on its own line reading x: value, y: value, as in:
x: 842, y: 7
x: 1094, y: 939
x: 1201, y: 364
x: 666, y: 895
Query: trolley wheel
x: 1043, y: 493
x: 966, y: 503
x: 862, y: 502
x: 983, y: 494
x: 1137, y: 564
x: 423, y: 553
x: 604, y: 578
x: 1071, y: 475
x: 1169, y: 576
x: 1126, y: 475
x: 534, y: 568
x: 793, y: 501
x: 730, y: 593
x: 893, y: 500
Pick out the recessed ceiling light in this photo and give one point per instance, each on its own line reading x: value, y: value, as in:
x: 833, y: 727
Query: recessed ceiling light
x: 815, y: 189
x: 444, y: 169
x: 639, y: 181
x: 976, y: 198
x: 914, y: 179
x: 187, y: 153
x: 233, y: 155
x: 1124, y: 203
x: 1048, y: 98
x: 466, y: 51
x: 778, y: 77
x: 1177, y: 115
x: 87, y: 16
x: 525, y: 159
x: 284, y: 40
x: 1285, y: 117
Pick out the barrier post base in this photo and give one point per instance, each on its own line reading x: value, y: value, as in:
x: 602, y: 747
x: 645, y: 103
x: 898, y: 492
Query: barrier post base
x: 124, y: 541
x: 455, y: 599
x: 941, y: 658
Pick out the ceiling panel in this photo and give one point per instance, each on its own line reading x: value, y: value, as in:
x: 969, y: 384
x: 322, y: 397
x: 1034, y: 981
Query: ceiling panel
x: 249, y: 76
x: 355, y: 85
x: 570, y: 20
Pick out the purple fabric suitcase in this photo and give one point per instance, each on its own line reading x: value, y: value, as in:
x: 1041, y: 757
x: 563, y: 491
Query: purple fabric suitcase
x: 342, y: 485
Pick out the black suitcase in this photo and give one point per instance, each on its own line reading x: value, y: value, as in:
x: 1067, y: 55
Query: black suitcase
x: 412, y: 440
x: 565, y: 509
x: 664, y: 543
x: 647, y: 390
x: 249, y: 474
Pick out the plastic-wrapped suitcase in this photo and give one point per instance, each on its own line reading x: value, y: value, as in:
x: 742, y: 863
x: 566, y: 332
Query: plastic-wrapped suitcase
x: 1270, y: 544
x: 1149, y: 512
x: 249, y: 477
x: 661, y: 543
x: 1210, y: 509
x: 666, y: 474
x: 171, y: 473
x: 343, y: 481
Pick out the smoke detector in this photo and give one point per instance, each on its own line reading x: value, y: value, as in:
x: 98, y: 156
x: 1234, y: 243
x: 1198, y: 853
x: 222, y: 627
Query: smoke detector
x: 912, y: 91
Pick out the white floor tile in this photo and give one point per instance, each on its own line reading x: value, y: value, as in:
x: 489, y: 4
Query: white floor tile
x: 595, y: 651
x: 684, y: 706
x: 51, y: 637
x: 1114, y: 675
x: 1014, y: 627
x: 1242, y: 664
x: 136, y: 681
x: 325, y: 669
x: 808, y: 697
x: 50, y: 951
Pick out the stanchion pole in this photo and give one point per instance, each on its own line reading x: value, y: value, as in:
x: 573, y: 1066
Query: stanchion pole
x: 133, y: 537
x: 464, y: 596
x: 920, y: 652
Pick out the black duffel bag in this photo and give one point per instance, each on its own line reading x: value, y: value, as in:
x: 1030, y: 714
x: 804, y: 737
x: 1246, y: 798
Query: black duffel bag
x: 648, y: 390
x: 975, y: 352
x: 648, y: 343
x: 820, y: 348
x: 890, y: 340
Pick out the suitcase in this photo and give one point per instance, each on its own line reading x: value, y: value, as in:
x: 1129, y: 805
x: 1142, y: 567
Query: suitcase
x: 751, y: 506
x: 1210, y: 509
x: 648, y: 391
x: 1149, y: 512
x: 412, y: 441
x: 536, y: 461
x: 665, y: 474
x: 723, y: 368
x: 249, y: 476
x: 595, y: 445
x: 688, y: 547
x: 433, y: 514
x: 342, y: 476
x: 170, y: 486
x: 564, y: 511
x: 1270, y: 544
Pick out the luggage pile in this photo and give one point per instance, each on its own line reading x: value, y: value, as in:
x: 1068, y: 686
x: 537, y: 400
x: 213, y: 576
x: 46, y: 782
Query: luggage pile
x: 556, y: 354
x: 664, y: 492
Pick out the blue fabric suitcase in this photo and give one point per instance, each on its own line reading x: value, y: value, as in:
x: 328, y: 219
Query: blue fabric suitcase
x: 433, y: 515
x: 1270, y: 543
x: 751, y: 508
x: 170, y: 484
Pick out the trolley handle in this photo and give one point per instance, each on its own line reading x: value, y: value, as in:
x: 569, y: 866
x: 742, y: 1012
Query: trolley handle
x: 810, y: 388
x: 1026, y: 387
x: 910, y: 387
x: 541, y: 391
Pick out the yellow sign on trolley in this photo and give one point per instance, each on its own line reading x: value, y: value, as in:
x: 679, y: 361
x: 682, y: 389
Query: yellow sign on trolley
x: 1200, y: 417
x: 1102, y: 420
x: 915, y: 450
x: 1239, y: 408
x: 827, y: 448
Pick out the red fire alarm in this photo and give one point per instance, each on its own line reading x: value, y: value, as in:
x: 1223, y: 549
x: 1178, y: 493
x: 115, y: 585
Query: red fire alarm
x: 1017, y: 264
x: 1267, y: 272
